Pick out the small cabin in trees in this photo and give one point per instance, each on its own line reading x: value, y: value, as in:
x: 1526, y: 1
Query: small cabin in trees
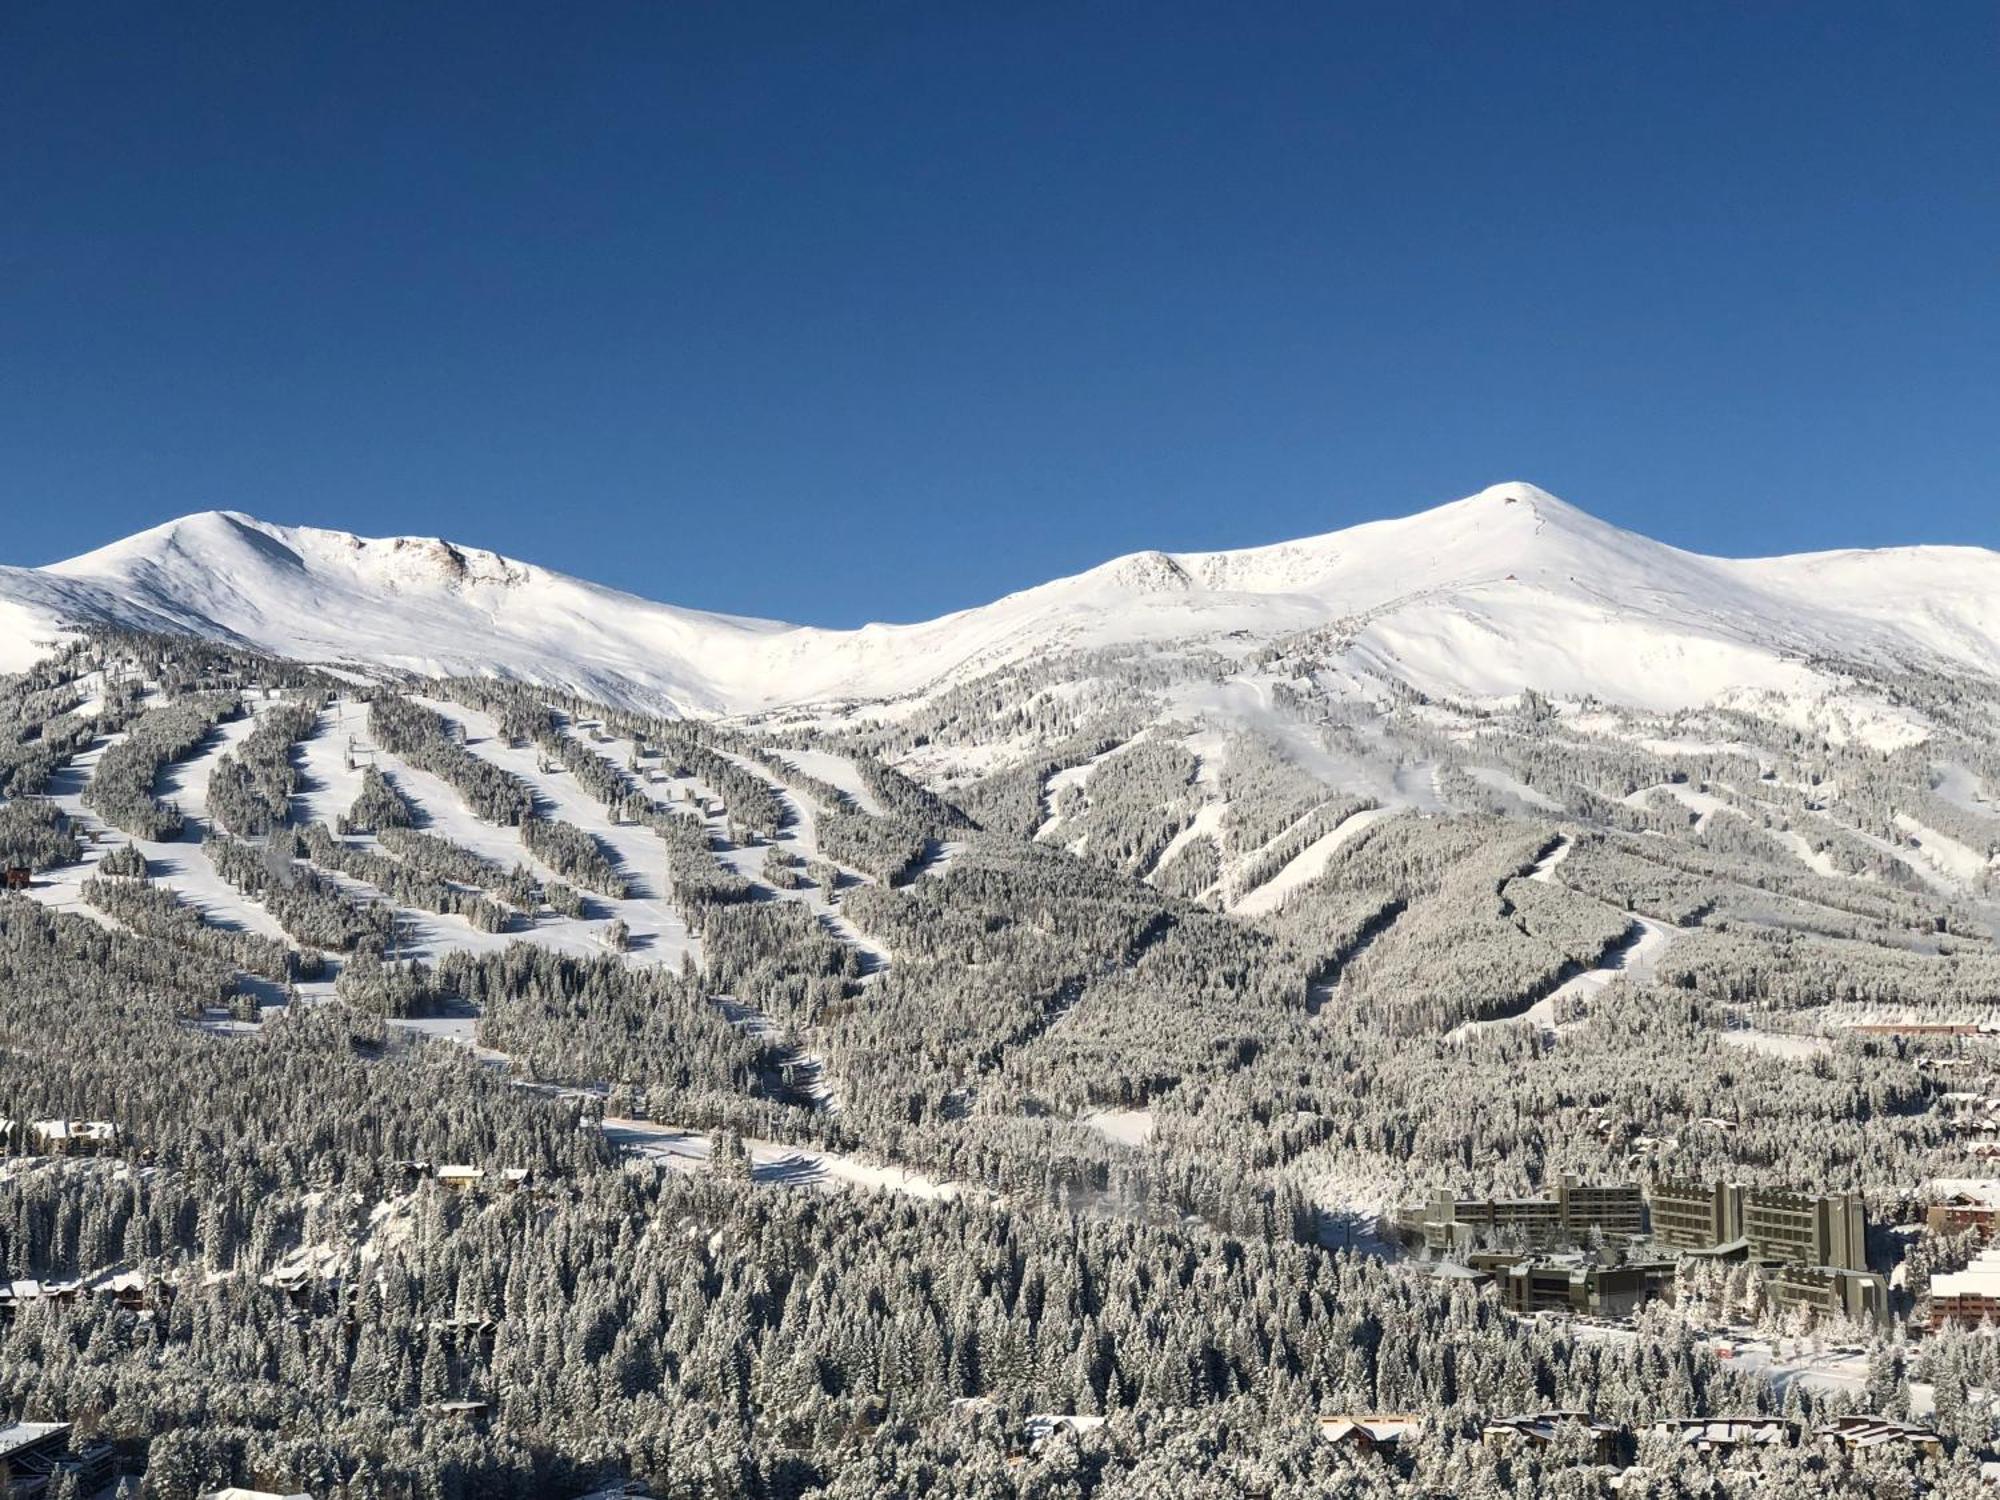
x: 1863, y: 1433
x: 75, y: 1137
x: 17, y: 1294
x: 35, y: 1455
x: 1541, y: 1429
x: 60, y: 1137
x: 134, y: 1292
x: 1374, y: 1432
x: 1728, y: 1434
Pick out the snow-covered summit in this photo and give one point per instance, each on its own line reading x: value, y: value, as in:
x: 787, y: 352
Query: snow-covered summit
x: 1506, y: 589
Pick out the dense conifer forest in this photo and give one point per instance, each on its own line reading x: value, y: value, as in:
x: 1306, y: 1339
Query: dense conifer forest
x: 529, y: 1094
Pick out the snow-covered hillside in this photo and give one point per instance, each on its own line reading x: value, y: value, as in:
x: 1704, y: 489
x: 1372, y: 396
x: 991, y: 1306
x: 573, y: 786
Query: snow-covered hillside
x: 1479, y: 599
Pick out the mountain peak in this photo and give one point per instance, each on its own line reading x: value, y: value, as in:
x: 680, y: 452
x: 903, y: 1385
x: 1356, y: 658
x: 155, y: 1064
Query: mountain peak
x: 1475, y: 599
x: 1519, y: 504
x: 228, y: 541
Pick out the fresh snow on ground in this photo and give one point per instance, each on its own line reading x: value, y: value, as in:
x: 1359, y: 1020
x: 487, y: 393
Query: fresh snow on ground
x: 1077, y: 776
x: 838, y: 772
x: 1309, y: 864
x: 1545, y: 867
x: 1816, y: 860
x: 1513, y: 787
x: 1777, y: 1043
x: 1704, y: 805
x: 1635, y: 958
x: 328, y: 784
x: 1963, y: 789
x: 181, y: 863
x: 659, y: 934
x: 1944, y: 854
x: 941, y: 857
x: 1471, y: 601
x: 1128, y: 1127
x: 773, y: 1161
x: 1207, y: 820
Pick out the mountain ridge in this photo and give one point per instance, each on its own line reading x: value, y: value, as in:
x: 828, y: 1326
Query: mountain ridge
x: 1479, y: 598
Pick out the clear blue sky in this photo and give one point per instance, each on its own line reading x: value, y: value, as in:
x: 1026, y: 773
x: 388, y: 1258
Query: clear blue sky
x: 848, y: 311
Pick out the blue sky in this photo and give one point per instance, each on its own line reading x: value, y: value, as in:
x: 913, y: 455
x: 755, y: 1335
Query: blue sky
x: 853, y: 311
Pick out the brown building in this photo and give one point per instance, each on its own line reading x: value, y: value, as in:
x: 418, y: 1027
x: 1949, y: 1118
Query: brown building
x: 1540, y: 1430
x: 1372, y: 1432
x: 1617, y: 1209
x: 1579, y: 1289
x: 35, y: 1455
x: 61, y: 1137
x: 1726, y: 1434
x: 1963, y: 1204
x: 1971, y: 1296
x: 14, y: 1295
x: 1613, y: 1211
x: 1777, y: 1227
x: 1695, y: 1215
x: 1806, y: 1229
x: 1831, y: 1291
x: 1862, y: 1433
x: 462, y: 1409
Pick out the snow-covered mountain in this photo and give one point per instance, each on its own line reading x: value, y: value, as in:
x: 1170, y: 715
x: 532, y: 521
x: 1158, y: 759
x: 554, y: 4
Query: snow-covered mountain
x: 1478, y: 599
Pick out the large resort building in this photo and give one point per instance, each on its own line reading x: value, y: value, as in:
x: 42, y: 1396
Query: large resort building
x: 1774, y: 1226
x: 1614, y: 1212
x: 1815, y: 1246
x: 1818, y: 1242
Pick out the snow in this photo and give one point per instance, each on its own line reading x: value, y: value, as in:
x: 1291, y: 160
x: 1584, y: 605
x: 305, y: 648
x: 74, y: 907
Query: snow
x: 1635, y: 957
x: 27, y: 634
x: 181, y: 863
x: 1309, y: 864
x: 1671, y: 747
x: 1963, y: 789
x: 941, y: 858
x: 1207, y: 820
x: 838, y: 772
x: 659, y: 934
x: 1128, y: 1127
x: 1512, y: 786
x: 801, y: 837
x: 1943, y: 854
x: 1817, y: 860
x: 1984, y: 1190
x: 773, y: 1162
x: 327, y: 787
x: 1473, y: 600
x: 1836, y: 1368
x: 1077, y: 776
x: 1777, y: 1043
x: 1704, y: 805
x: 1545, y: 868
